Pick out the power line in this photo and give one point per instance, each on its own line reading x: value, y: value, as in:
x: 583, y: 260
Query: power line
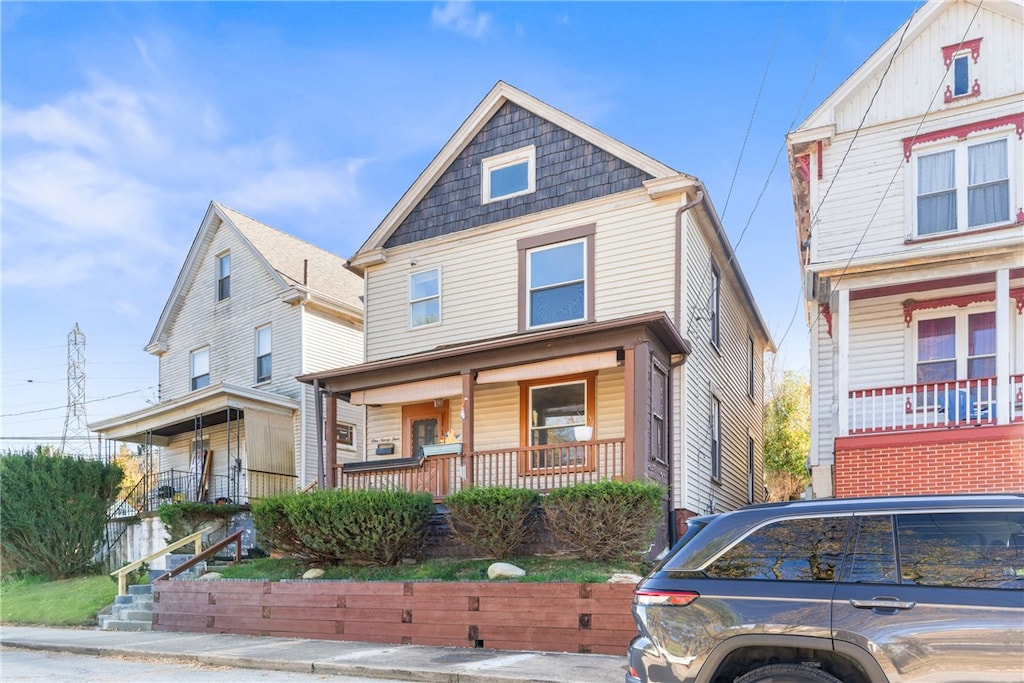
x: 94, y: 400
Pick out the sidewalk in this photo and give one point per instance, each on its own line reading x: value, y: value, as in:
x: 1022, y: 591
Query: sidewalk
x: 406, y: 662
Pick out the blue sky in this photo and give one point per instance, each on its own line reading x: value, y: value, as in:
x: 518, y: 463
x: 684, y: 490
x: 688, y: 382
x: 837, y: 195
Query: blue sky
x: 122, y: 121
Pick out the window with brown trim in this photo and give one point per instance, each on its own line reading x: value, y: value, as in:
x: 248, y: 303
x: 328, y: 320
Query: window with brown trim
x: 557, y: 421
x: 556, y: 278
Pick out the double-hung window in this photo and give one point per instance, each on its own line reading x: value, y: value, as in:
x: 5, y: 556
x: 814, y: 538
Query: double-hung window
x: 560, y: 415
x: 960, y: 346
x: 425, y: 298
x: 223, y: 276
x: 714, y: 305
x: 263, y: 355
x: 199, y: 368
x: 556, y: 278
x: 962, y: 187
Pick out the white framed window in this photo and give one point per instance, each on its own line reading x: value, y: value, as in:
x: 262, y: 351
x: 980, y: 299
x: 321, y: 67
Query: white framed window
x: 345, y: 436
x: 962, y: 186
x: 264, y: 339
x: 199, y: 368
x: 508, y: 175
x: 714, y: 305
x: 556, y: 283
x: 223, y: 276
x: 561, y: 415
x: 950, y: 347
x: 716, y: 438
x: 425, y: 298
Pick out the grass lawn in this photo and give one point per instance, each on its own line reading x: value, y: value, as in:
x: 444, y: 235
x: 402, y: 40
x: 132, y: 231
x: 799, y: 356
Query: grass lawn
x: 538, y: 569
x: 71, y: 602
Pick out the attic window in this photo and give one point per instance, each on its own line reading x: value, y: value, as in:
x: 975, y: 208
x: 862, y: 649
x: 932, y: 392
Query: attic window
x: 958, y: 59
x: 223, y: 276
x: 508, y: 175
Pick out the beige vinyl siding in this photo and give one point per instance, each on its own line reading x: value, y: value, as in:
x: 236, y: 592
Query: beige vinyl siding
x: 480, y: 280
x: 228, y: 327
x: 329, y: 342
x: 918, y: 72
x: 178, y: 453
x: 383, y: 424
x: 721, y: 372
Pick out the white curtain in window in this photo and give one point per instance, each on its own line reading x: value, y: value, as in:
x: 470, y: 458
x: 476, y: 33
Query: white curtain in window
x: 988, y: 193
x: 936, y: 195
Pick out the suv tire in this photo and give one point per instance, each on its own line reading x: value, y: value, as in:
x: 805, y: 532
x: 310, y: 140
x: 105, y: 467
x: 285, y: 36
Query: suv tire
x: 787, y: 673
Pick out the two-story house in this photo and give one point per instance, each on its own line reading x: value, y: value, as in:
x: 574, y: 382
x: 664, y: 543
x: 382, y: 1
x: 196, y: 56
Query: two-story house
x: 546, y: 305
x: 908, y: 194
x: 251, y: 309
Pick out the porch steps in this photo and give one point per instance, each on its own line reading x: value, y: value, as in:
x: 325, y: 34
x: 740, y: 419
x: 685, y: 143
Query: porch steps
x: 132, y: 612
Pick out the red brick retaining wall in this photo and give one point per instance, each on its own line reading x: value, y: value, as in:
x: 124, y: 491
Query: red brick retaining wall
x: 965, y: 460
x: 553, y: 617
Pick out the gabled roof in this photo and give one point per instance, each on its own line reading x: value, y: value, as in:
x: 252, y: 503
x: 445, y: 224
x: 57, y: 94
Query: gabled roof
x: 498, y: 96
x: 920, y: 20
x: 307, y: 271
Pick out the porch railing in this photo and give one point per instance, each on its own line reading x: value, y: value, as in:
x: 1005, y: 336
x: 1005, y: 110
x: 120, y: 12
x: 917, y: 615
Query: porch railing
x: 171, y: 486
x: 935, y: 405
x: 541, y: 468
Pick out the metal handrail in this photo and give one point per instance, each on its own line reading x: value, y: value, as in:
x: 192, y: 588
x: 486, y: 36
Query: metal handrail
x: 235, y: 538
x: 122, y: 573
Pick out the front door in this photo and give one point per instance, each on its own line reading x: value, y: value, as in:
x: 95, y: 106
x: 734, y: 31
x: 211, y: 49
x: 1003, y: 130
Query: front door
x: 424, y: 423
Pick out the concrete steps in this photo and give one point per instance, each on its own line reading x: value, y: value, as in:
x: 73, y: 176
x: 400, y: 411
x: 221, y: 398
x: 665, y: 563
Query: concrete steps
x: 132, y: 612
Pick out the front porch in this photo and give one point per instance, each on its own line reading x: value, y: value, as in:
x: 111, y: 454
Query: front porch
x: 540, y: 410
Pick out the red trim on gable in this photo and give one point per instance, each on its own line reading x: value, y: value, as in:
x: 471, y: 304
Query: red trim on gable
x: 974, y: 45
x: 826, y: 313
x: 803, y: 167
x: 819, y: 160
x: 961, y: 132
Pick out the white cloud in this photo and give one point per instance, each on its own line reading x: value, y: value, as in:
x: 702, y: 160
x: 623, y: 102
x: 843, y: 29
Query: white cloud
x: 295, y: 187
x: 460, y: 17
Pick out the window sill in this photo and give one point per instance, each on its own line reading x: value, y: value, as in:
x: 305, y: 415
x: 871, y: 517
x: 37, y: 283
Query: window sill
x: 953, y: 234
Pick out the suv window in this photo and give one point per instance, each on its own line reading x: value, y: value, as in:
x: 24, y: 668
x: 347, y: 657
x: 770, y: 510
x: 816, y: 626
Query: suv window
x: 874, y: 552
x: 807, y: 549
x: 967, y: 549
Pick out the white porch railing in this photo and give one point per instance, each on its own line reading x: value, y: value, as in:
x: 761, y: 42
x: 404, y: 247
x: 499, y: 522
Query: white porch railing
x: 935, y: 405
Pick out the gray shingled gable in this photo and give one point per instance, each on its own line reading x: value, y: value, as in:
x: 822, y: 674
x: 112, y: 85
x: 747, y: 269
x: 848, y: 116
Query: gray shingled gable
x: 569, y: 170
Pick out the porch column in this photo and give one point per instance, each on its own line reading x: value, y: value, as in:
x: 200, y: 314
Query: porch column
x: 1004, y: 321
x: 638, y: 419
x: 331, y: 439
x: 467, y: 425
x: 842, y: 332
x: 629, y: 420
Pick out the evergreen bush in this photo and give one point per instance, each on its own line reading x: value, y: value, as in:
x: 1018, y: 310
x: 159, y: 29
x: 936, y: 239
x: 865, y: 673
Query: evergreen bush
x: 494, y: 520
x: 53, y: 511
x: 607, y: 520
x: 186, y: 517
x: 356, y: 527
x: 273, y: 530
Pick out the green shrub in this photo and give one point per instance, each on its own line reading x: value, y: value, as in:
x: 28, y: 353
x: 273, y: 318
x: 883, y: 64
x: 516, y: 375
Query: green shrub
x: 495, y: 520
x: 356, y: 527
x: 608, y: 520
x: 185, y: 518
x: 53, y: 511
x: 273, y: 530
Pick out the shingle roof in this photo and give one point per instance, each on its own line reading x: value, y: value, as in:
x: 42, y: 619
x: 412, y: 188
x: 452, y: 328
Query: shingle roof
x: 326, y: 273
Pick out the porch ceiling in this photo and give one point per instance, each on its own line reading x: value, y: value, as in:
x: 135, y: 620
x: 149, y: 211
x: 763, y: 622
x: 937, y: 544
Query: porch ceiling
x: 213, y: 404
x: 623, y: 333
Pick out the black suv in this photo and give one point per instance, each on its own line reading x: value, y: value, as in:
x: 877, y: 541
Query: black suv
x: 911, y: 589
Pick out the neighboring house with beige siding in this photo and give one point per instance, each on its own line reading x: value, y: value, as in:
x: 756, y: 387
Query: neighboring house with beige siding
x: 251, y: 310
x: 546, y: 305
x: 908, y: 186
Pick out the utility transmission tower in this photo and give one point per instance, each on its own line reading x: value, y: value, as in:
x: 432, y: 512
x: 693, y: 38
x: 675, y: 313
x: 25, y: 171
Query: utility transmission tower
x: 75, y: 440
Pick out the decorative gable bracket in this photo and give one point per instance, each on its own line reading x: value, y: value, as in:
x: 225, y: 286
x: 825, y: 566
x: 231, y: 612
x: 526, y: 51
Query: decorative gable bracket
x: 961, y: 132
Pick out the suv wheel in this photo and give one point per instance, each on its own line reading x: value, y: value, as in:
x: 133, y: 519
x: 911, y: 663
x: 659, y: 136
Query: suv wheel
x: 787, y: 673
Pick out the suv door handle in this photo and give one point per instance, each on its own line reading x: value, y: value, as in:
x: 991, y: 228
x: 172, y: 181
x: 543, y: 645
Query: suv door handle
x: 882, y: 603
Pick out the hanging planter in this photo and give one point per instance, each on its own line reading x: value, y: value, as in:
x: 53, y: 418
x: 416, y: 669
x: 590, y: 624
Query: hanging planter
x: 583, y: 432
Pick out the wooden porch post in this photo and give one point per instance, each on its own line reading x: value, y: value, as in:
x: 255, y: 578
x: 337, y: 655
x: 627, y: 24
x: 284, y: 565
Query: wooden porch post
x: 842, y: 343
x: 467, y: 425
x: 331, y: 439
x: 637, y: 407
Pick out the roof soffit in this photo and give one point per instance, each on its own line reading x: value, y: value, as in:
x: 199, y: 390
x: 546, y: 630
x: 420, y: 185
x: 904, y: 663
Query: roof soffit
x: 478, y: 118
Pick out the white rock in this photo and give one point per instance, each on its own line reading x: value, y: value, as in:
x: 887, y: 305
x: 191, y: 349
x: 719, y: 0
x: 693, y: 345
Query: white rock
x: 314, y: 573
x: 504, y: 570
x: 210, y: 576
x: 625, y: 578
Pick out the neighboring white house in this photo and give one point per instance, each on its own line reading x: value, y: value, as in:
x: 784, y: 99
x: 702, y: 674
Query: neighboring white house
x: 251, y: 310
x: 908, y: 185
x: 547, y: 305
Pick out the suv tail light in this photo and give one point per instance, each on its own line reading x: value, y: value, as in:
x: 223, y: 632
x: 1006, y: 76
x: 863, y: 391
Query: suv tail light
x: 651, y: 596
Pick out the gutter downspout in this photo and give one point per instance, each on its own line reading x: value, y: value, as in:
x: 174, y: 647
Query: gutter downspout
x: 673, y: 532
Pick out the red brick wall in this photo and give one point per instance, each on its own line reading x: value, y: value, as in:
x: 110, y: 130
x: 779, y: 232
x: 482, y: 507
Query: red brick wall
x: 553, y: 617
x: 964, y: 460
